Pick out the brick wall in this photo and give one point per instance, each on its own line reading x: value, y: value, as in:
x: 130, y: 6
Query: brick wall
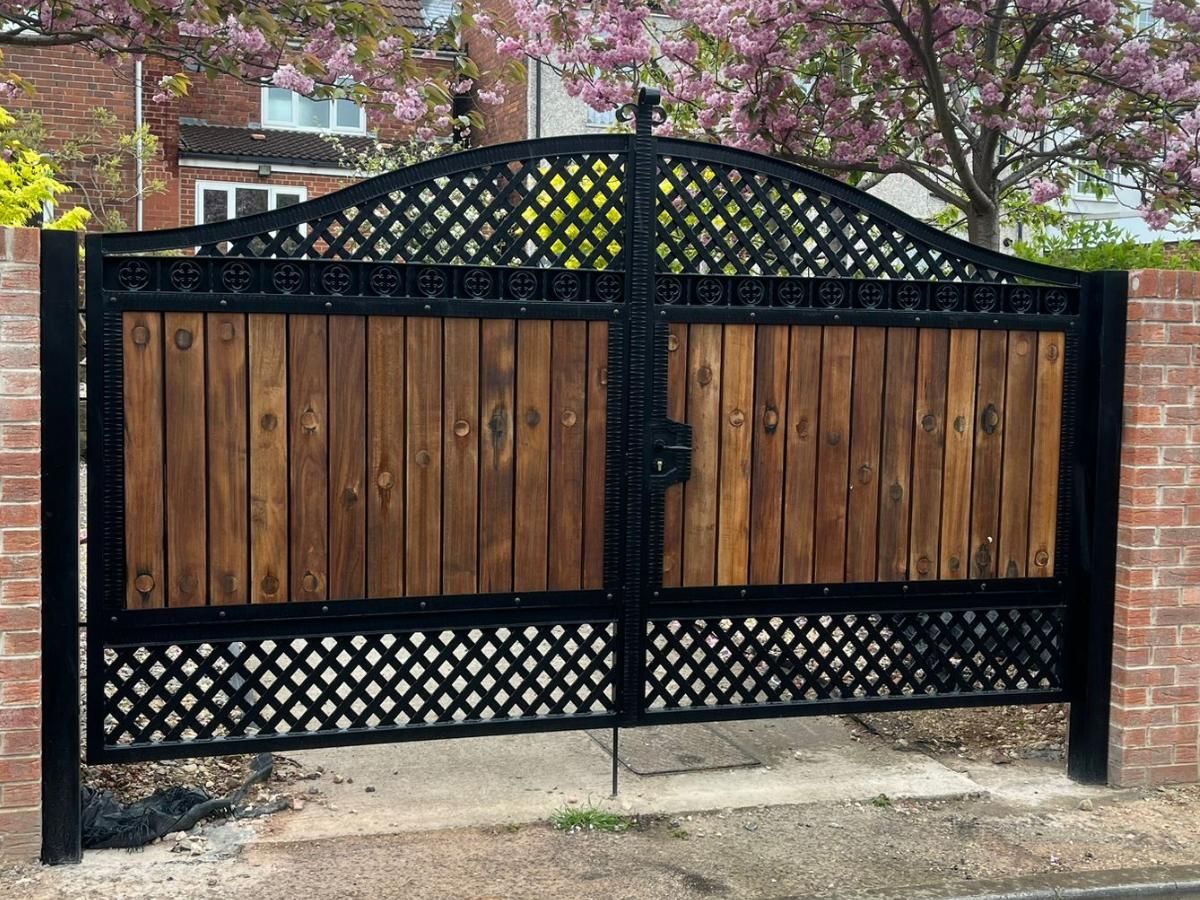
x: 507, y: 121
x: 20, y: 557
x: 1155, y: 732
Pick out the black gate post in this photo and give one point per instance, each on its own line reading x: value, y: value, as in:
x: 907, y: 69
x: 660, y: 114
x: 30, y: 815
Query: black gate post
x: 1098, y: 484
x: 640, y: 200
x: 60, y: 547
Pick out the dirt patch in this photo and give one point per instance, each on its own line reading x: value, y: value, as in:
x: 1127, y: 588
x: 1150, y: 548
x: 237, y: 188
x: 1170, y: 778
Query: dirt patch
x: 218, y: 775
x: 997, y: 734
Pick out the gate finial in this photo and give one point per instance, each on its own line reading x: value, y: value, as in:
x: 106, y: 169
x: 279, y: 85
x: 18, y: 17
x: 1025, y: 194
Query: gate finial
x: 648, y: 110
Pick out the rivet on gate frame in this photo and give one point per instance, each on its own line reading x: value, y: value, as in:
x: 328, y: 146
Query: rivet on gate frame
x: 423, y: 604
x: 224, y: 303
x: 742, y: 593
x: 517, y: 601
x: 428, y: 308
x: 324, y: 609
x: 329, y: 304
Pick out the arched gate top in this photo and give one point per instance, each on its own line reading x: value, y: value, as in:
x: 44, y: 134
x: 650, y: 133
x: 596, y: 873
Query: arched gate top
x: 564, y: 203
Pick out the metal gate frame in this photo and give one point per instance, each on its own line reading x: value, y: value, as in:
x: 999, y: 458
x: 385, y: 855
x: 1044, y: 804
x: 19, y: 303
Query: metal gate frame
x: 646, y: 454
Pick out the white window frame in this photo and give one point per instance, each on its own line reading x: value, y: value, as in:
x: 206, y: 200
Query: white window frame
x: 1082, y: 193
x: 229, y: 187
x: 333, y: 128
x: 591, y: 118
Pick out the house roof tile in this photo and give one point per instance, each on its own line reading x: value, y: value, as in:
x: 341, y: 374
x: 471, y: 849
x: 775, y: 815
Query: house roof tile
x: 266, y: 145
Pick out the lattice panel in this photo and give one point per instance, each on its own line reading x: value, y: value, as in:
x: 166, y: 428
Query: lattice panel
x: 565, y: 212
x: 200, y: 691
x: 729, y: 662
x: 715, y: 219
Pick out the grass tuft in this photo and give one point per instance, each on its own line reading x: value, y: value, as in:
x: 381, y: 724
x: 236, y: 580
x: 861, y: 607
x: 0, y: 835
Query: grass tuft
x: 572, y: 819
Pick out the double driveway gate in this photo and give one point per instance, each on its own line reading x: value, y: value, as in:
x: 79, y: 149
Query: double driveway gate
x: 586, y: 432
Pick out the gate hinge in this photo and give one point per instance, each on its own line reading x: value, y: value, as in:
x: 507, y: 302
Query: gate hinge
x: 670, y: 453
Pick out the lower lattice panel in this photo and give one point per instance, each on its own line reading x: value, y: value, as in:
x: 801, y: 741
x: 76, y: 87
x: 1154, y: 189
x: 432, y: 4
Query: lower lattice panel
x: 762, y: 660
x: 183, y: 692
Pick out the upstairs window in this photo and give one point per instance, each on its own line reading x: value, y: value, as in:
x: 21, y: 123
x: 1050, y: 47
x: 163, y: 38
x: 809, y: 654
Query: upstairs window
x: 601, y: 119
x: 287, y: 109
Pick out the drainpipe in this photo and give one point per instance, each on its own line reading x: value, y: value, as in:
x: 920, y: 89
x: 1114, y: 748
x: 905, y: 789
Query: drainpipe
x: 537, y: 99
x: 137, y: 124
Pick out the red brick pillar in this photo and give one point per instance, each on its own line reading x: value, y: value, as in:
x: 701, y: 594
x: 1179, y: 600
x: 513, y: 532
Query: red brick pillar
x: 1155, y: 730
x: 20, y: 546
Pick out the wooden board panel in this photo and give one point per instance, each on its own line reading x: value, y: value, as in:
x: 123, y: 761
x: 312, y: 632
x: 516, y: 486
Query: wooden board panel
x: 800, y: 464
x: 895, y: 465
x: 460, y: 501
x: 595, y: 464
x: 700, y: 492
x: 769, y: 440
x: 1018, y: 448
x: 988, y: 453
x: 1047, y: 445
x: 862, y: 524
x: 833, y: 454
x: 308, y: 390
x: 268, y: 458
x: 533, y: 456
x: 423, y: 490
x: 187, y: 512
x: 929, y: 450
x: 677, y: 377
x: 954, y: 560
x: 496, y: 379
x: 568, y: 399
x: 385, y: 446
x: 228, y: 459
x: 347, y: 457
x: 145, y: 569
x: 736, y: 436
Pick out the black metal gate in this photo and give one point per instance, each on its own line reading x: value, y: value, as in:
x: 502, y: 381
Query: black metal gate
x: 645, y: 235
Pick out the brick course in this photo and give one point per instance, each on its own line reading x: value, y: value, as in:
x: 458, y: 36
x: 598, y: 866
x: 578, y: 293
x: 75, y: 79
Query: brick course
x: 20, y: 545
x: 1155, y: 731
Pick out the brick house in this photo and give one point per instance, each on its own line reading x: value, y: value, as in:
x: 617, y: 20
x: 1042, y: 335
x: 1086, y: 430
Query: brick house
x: 229, y: 148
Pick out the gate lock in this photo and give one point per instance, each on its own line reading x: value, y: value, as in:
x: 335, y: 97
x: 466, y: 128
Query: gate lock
x: 670, y: 453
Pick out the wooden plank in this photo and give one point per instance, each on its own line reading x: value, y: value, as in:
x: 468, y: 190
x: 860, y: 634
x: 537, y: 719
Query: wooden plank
x: 700, y: 492
x: 833, y: 454
x: 145, y: 569
x: 423, y: 489
x: 268, y: 458
x: 595, y: 465
x: 677, y: 378
x: 895, y: 458
x: 866, y: 430
x: 1018, y: 448
x: 532, y: 514
x: 308, y: 390
x: 568, y: 399
x: 988, y: 453
x: 800, y: 464
x: 460, y: 503
x: 496, y: 380
x: 737, y: 437
x: 929, y: 451
x: 228, y: 459
x: 385, y: 446
x: 1047, y: 445
x: 187, y: 509
x: 769, y: 440
x: 954, y: 560
x: 347, y: 457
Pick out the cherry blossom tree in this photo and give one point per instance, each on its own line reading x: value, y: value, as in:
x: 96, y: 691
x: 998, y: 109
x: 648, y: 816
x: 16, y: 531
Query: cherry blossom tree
x: 990, y: 105
x: 353, y: 48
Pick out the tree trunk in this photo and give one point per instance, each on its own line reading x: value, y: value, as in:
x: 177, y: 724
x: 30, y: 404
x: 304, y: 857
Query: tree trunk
x: 983, y: 227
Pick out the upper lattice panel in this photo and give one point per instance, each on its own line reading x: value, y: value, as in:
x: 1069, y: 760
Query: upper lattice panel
x: 561, y: 204
x: 726, y: 212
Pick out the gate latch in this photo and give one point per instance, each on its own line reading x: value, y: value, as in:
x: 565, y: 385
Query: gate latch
x: 670, y: 453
